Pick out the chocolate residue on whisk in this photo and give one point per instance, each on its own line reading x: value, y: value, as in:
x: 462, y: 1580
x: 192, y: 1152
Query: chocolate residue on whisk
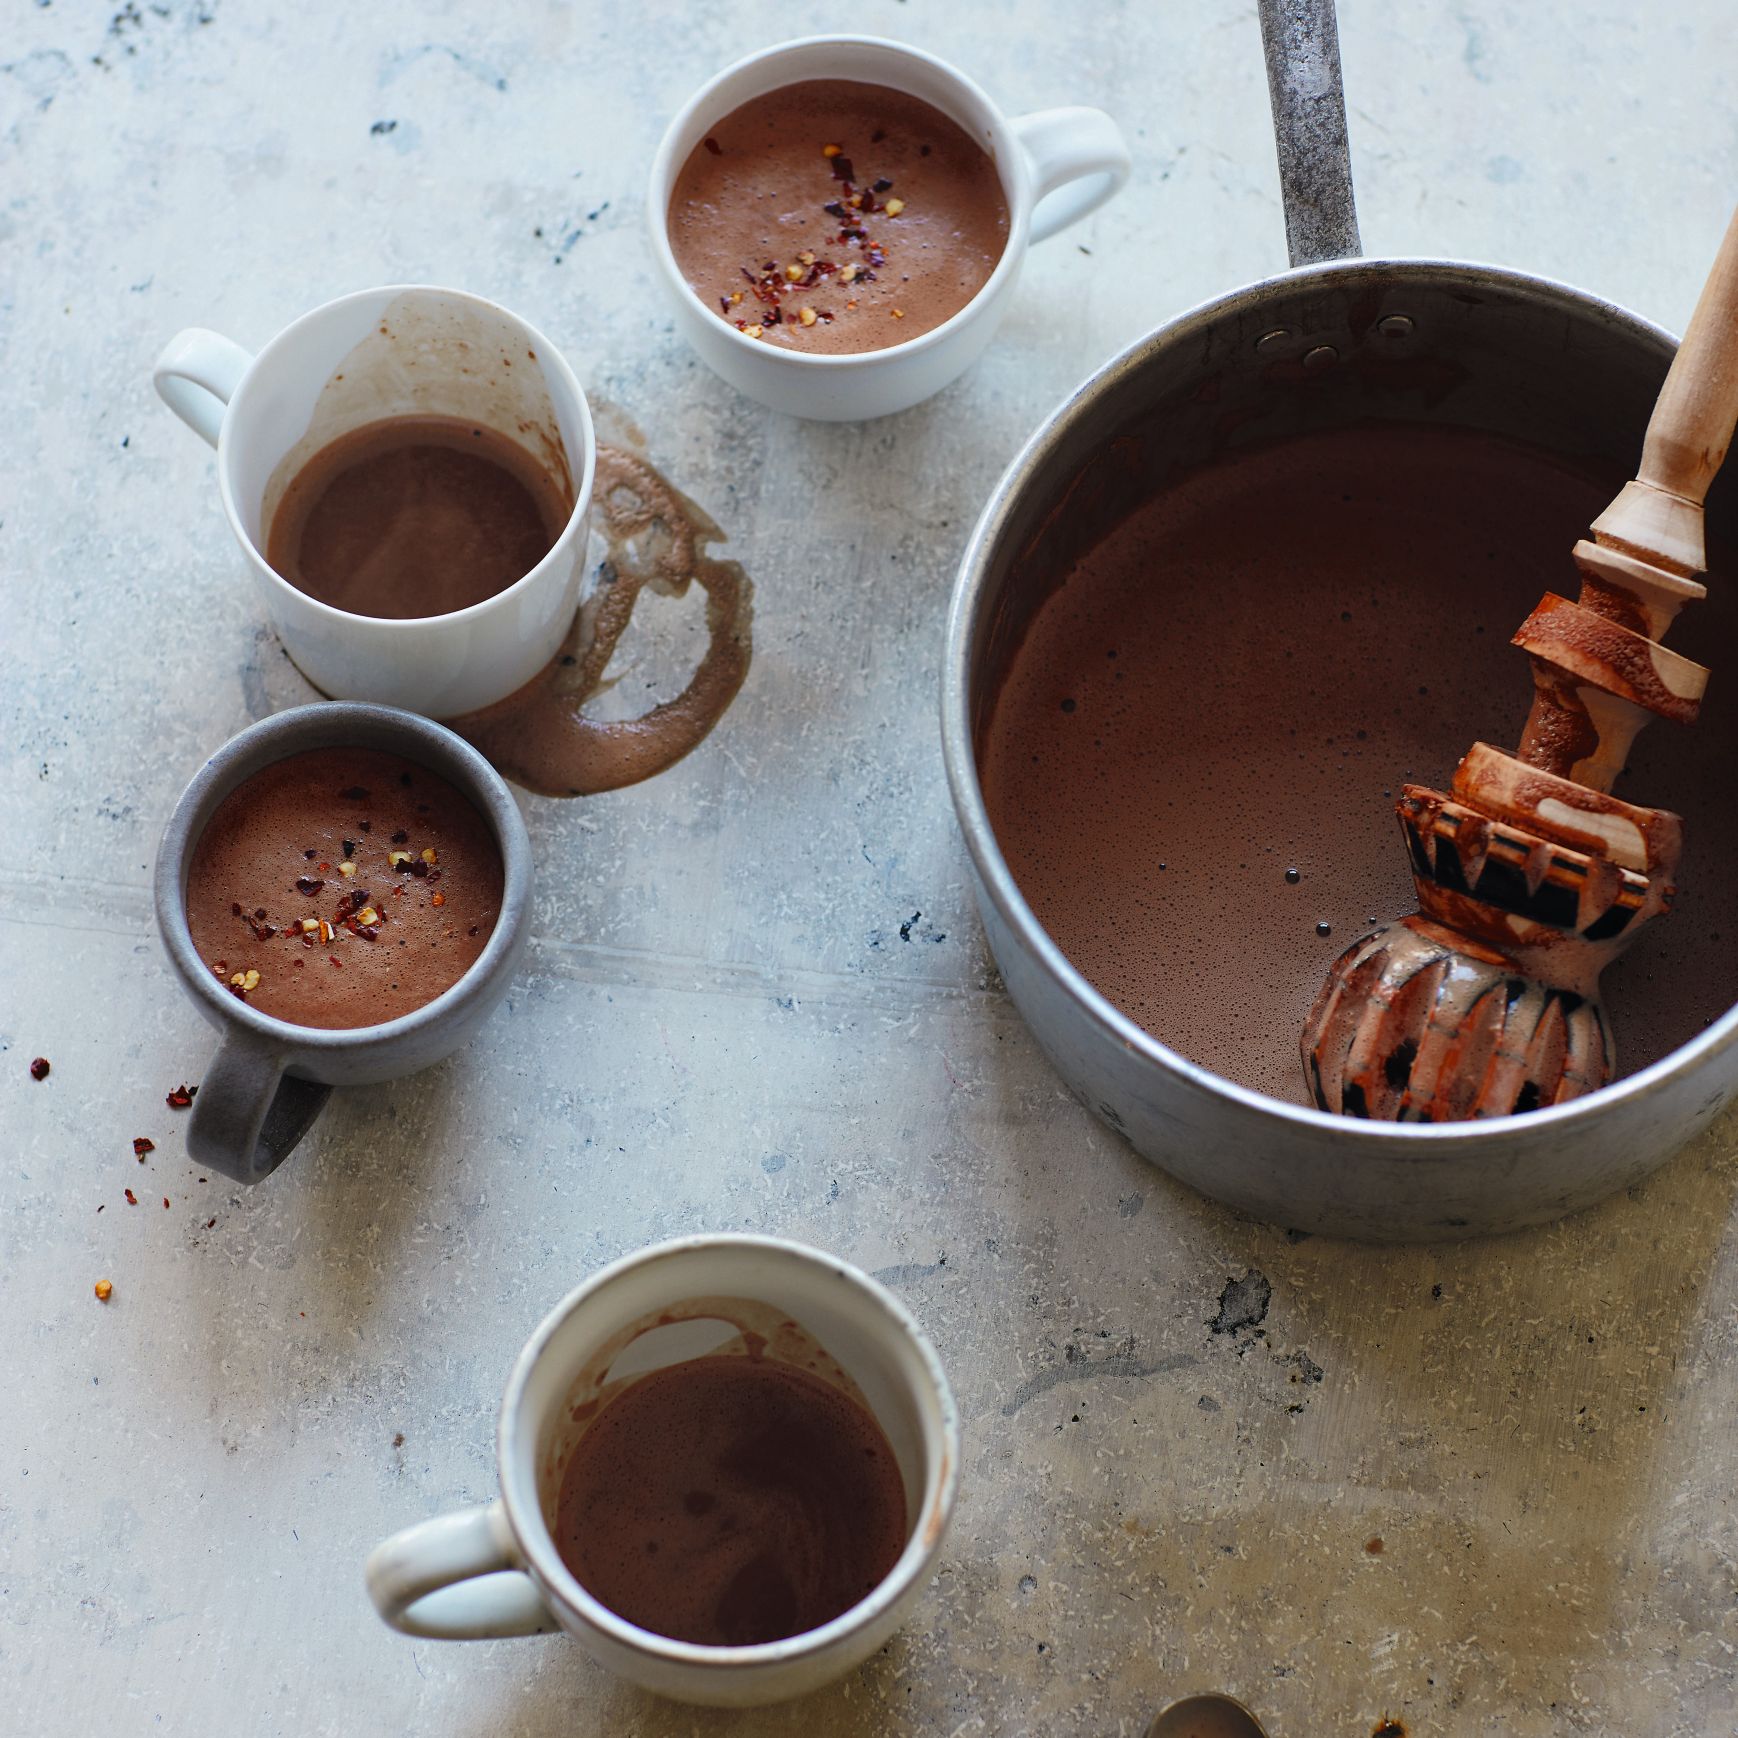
x: 657, y: 538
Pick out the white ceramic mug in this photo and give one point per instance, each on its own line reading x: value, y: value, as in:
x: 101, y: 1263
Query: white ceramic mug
x: 1055, y: 166
x: 404, y: 349
x: 495, y: 1571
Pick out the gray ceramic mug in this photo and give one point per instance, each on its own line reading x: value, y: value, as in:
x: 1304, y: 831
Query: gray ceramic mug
x: 270, y: 1079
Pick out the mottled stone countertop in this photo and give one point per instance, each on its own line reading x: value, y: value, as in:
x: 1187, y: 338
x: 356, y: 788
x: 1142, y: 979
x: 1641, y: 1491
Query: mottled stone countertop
x: 758, y: 995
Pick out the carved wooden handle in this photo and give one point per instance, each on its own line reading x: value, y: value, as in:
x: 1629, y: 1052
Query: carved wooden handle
x: 1659, y: 516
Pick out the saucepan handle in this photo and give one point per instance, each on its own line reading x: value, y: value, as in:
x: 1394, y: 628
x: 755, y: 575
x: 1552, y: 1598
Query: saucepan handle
x: 1309, y: 128
x: 456, y: 1578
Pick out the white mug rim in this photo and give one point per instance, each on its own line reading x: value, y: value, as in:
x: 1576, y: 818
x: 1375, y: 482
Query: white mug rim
x: 1007, y: 158
x: 558, y: 1583
x: 548, y: 355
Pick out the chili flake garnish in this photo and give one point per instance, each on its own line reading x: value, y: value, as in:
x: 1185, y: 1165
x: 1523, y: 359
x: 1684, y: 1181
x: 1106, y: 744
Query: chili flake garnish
x: 713, y: 145
x: 132, y: 1199
x: 39, y: 1068
x: 142, y: 1145
x: 400, y: 836
x: 309, y: 884
x: 181, y: 1097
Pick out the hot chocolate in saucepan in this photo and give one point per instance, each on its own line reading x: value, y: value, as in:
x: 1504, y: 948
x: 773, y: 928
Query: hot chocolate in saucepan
x: 1192, y: 764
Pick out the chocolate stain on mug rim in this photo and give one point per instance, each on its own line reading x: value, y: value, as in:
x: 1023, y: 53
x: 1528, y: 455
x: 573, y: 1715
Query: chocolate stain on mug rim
x: 656, y: 538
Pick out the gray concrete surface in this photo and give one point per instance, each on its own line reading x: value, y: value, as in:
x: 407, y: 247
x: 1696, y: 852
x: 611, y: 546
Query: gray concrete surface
x: 721, y: 1024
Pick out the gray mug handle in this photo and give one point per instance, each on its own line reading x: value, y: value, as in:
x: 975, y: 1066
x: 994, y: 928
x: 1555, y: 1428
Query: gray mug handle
x: 249, y: 1115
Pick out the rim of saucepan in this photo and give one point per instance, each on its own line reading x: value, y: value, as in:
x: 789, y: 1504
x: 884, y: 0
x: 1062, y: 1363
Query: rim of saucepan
x: 519, y: 1492
x: 1006, y: 157
x: 547, y: 354
x: 356, y: 724
x: 959, y: 754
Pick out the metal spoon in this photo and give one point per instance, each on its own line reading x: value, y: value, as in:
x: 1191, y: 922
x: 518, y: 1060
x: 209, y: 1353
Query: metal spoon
x: 1208, y: 1716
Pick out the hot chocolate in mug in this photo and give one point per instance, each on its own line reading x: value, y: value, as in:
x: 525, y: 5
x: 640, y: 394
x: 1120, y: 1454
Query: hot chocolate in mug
x: 395, y: 352
x: 497, y: 1570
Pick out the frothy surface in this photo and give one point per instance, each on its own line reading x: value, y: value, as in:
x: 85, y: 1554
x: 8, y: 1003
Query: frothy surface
x: 901, y: 227
x: 270, y: 861
x: 1236, y: 681
x: 731, y: 1500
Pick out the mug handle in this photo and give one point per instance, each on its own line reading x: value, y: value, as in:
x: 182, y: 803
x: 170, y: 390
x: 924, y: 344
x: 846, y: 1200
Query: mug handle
x: 248, y: 1116
x: 196, y: 376
x: 456, y: 1578
x: 1078, y: 158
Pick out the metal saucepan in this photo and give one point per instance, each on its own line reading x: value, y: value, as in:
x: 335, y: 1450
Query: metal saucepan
x: 1534, y: 360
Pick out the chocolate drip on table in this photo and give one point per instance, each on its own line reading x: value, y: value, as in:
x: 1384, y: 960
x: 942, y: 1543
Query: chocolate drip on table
x: 657, y: 538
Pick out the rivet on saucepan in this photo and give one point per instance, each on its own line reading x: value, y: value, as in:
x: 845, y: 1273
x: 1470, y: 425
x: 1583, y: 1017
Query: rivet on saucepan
x: 1323, y: 356
x: 1395, y: 326
x: 1269, y: 342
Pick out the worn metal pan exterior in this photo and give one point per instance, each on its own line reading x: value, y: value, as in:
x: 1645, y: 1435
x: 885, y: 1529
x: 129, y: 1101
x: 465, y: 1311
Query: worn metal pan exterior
x: 1406, y: 340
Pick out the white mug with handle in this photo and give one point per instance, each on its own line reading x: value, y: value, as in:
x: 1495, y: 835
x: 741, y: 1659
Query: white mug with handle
x: 1055, y: 166
x: 495, y: 1570
x: 394, y: 351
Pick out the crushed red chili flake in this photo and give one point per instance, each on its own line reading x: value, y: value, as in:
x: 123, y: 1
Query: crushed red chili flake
x: 713, y: 145
x: 181, y: 1097
x: 39, y: 1068
x: 132, y: 1199
x: 310, y: 855
x: 309, y: 884
x: 165, y: 1200
x: 335, y: 961
x: 211, y: 1221
x: 842, y: 170
x: 142, y: 1145
x: 400, y: 837
x: 235, y: 908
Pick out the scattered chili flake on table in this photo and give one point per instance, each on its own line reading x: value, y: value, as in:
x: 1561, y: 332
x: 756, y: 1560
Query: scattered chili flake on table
x: 141, y: 1146
x: 181, y: 1097
x: 104, y: 1290
x: 165, y: 1201
x: 211, y: 1221
x: 132, y: 1199
x: 39, y: 1068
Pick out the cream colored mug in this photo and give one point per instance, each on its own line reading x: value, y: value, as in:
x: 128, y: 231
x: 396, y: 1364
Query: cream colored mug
x: 495, y: 1571
x: 400, y: 350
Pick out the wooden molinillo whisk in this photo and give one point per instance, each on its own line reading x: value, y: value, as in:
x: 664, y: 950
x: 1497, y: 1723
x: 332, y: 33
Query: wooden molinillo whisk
x: 1531, y: 876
